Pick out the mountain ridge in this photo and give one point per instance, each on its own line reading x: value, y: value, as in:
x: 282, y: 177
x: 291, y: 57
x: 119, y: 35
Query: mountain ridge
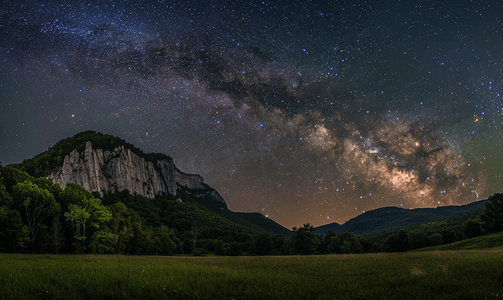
x: 101, y: 162
x: 391, y: 217
x: 105, y: 171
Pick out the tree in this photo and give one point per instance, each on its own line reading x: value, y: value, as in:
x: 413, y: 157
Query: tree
x: 141, y: 240
x: 219, y: 247
x: 417, y: 240
x: 492, y: 218
x: 435, y: 239
x: 86, y: 213
x: 246, y: 240
x: 304, y: 240
x: 263, y: 245
x: 349, y: 243
x: 165, y: 242
x: 187, y: 246
x: 146, y: 240
x: 472, y: 229
x: 398, y: 242
x: 23, y: 237
x: 11, y: 223
x: 120, y: 225
x: 103, y: 241
x: 12, y: 234
x: 449, y: 236
x: 235, y: 249
x: 195, y: 231
x: 47, y: 184
x: 38, y: 203
x: 56, y: 234
x: 334, y: 245
x: 11, y: 176
x: 330, y: 243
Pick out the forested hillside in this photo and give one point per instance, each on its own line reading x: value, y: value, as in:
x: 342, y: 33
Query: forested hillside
x: 390, y: 218
x: 38, y: 216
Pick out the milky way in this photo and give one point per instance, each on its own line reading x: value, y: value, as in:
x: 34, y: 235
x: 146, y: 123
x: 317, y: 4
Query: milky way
x: 305, y: 112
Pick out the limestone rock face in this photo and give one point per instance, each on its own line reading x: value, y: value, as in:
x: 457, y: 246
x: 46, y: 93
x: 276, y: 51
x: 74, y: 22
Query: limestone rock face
x: 190, y: 181
x: 106, y: 171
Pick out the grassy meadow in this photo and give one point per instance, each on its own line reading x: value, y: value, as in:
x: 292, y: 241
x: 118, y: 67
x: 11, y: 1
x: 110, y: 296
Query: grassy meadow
x: 462, y: 274
x: 494, y: 240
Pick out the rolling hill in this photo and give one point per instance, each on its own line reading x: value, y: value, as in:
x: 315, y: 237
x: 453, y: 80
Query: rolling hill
x: 389, y: 218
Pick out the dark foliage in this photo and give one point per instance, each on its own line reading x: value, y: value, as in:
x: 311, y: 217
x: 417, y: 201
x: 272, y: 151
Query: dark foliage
x: 492, y: 218
x: 398, y: 242
x: 129, y: 223
x: 263, y: 245
x: 303, y: 240
x: 472, y: 229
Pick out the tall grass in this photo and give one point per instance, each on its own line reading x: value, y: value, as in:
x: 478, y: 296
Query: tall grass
x: 470, y: 274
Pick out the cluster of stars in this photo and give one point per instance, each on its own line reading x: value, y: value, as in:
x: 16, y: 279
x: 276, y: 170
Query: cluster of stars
x: 308, y: 112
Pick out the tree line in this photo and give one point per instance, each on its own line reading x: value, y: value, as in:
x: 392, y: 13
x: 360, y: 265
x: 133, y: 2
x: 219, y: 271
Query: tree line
x: 40, y: 217
x: 305, y: 241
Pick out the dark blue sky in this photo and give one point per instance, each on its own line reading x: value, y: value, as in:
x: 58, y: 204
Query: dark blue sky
x: 306, y: 111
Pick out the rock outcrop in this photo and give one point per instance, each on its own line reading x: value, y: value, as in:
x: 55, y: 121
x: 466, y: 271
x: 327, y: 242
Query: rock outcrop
x: 107, y: 171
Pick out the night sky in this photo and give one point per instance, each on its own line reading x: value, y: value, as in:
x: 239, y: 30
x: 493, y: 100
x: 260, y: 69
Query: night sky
x: 305, y: 111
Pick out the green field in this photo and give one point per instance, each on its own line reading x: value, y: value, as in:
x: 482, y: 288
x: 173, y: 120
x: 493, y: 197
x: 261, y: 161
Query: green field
x: 464, y: 274
x: 494, y: 240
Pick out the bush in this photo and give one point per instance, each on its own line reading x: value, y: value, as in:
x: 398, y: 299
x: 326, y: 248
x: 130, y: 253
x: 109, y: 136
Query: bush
x: 472, y: 229
x: 435, y: 239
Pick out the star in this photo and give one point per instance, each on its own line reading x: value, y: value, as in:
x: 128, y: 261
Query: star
x: 366, y: 106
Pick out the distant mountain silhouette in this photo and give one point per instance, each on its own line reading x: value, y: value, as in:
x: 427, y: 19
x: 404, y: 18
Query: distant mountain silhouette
x: 386, y: 218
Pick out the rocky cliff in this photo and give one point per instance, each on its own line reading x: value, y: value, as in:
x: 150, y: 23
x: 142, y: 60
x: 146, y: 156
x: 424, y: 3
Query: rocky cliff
x: 120, y: 169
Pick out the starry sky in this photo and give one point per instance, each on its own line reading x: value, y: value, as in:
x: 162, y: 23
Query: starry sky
x: 304, y: 111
